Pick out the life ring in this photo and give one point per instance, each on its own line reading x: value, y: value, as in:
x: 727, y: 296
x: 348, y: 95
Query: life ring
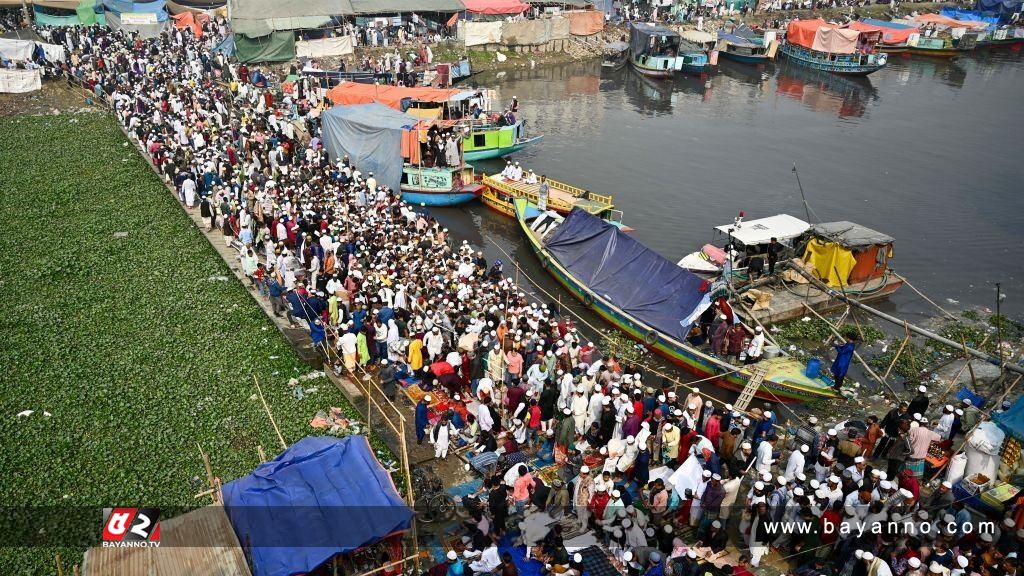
x: 588, y: 299
x: 651, y: 338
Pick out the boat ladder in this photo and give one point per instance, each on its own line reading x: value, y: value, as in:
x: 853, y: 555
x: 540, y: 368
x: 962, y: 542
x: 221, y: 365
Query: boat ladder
x: 750, y: 390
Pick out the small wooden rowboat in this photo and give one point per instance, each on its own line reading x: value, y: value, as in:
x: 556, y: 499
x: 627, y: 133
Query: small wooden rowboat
x: 784, y: 379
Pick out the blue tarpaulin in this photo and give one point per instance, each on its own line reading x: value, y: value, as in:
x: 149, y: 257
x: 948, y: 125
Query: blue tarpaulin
x: 371, y: 135
x: 1004, y: 8
x: 227, y: 46
x: 734, y: 39
x: 121, y: 6
x: 638, y: 280
x: 969, y: 15
x: 1012, y: 420
x: 886, y: 24
x: 321, y: 497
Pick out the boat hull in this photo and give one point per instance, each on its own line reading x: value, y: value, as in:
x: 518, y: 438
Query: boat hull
x: 943, y: 53
x: 744, y: 58
x: 425, y: 198
x: 694, y: 68
x: 893, y: 48
x: 805, y: 58
x: 651, y: 72
x: 491, y: 153
x: 684, y: 356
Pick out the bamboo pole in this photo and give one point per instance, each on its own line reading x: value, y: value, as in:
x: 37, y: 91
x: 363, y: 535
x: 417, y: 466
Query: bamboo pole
x: 927, y: 299
x: 74, y: 569
x: 390, y: 564
x: 963, y: 341
x: 60, y: 566
x: 899, y: 352
x: 410, y: 495
x: 856, y: 355
x: 263, y: 455
x: 1010, y: 366
x: 269, y: 414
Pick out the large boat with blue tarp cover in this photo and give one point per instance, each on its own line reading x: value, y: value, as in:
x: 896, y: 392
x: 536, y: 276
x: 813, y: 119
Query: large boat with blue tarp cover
x: 822, y: 46
x: 600, y: 265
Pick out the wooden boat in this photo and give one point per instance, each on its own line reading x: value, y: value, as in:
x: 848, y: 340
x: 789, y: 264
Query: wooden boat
x: 894, y: 34
x: 487, y: 140
x: 748, y: 239
x: 653, y: 50
x: 562, y: 198
x: 942, y: 46
x: 692, y: 59
x: 485, y: 136
x: 616, y: 56
x: 439, y: 186
x: 739, y: 49
x: 550, y: 235
x: 818, y: 45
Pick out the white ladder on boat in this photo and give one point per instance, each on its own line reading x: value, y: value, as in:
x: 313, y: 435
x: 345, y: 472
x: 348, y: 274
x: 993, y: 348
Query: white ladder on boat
x: 757, y: 374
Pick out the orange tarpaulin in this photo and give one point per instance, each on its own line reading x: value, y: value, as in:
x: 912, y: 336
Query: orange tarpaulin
x: 947, y: 21
x: 802, y: 32
x: 585, y: 22
x: 357, y: 93
x: 835, y: 40
x: 889, y: 35
x: 191, y: 20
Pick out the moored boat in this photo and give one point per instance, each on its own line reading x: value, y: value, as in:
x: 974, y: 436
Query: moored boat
x: 894, y: 35
x: 822, y: 46
x: 943, y: 46
x: 485, y: 134
x: 500, y: 193
x: 616, y: 55
x: 692, y: 58
x: 747, y: 240
x: 439, y: 186
x: 599, y: 265
x: 740, y: 49
x: 653, y: 50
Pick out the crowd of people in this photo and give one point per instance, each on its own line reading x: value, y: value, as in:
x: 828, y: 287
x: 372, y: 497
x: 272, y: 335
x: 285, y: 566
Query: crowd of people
x: 666, y: 478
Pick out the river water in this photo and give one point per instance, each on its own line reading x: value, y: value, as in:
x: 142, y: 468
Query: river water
x: 927, y: 151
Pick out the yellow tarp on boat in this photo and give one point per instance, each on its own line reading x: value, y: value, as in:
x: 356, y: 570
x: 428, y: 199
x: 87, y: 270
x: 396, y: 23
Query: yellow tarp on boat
x: 831, y: 262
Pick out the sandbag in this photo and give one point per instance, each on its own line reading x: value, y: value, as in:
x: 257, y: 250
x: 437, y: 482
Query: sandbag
x: 955, y: 471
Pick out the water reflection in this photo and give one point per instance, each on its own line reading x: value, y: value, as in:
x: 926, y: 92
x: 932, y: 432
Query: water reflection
x: 842, y: 96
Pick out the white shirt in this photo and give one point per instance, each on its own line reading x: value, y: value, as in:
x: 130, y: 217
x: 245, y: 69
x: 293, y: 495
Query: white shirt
x: 488, y: 562
x: 347, y: 343
x: 794, y: 465
x: 756, y: 346
x: 484, y: 418
x: 763, y: 461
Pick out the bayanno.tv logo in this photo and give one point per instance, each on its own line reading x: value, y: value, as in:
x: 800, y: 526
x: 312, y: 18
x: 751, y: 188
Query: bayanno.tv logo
x: 131, y: 528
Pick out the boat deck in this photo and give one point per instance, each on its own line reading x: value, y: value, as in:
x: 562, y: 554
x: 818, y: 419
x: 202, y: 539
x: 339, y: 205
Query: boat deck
x: 561, y: 197
x: 787, y: 300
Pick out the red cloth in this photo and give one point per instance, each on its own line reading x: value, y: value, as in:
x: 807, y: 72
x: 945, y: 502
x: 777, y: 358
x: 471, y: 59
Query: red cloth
x: 441, y: 368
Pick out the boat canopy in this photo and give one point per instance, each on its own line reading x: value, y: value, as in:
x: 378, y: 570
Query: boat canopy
x: 358, y: 93
x: 850, y: 235
x: 736, y: 40
x: 892, y: 33
x: 824, y: 37
x: 640, y: 35
x: 609, y: 262
x: 698, y: 36
x: 762, y: 230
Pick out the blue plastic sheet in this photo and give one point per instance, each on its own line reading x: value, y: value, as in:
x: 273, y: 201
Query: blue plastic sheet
x: 638, y: 280
x: 969, y: 15
x: 1012, y: 420
x: 371, y: 135
x: 321, y: 497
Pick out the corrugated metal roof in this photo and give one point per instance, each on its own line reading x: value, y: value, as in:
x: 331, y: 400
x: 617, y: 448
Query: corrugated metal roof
x: 199, y: 542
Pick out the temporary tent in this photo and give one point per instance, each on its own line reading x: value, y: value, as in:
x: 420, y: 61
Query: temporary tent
x: 198, y: 542
x: 495, y: 6
x: 319, y: 498
x: 191, y: 20
x: 371, y: 135
x: 348, y: 93
x: 1012, y: 420
x: 17, y: 50
x: 272, y: 47
x: 640, y: 35
x: 610, y: 263
x: 843, y: 252
x: 836, y: 40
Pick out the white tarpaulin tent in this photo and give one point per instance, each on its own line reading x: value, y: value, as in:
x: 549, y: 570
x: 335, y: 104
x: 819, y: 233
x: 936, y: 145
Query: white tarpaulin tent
x: 761, y: 231
x: 17, y: 50
x: 324, y: 47
x: 480, y: 33
x: 18, y: 81
x: 53, y: 52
